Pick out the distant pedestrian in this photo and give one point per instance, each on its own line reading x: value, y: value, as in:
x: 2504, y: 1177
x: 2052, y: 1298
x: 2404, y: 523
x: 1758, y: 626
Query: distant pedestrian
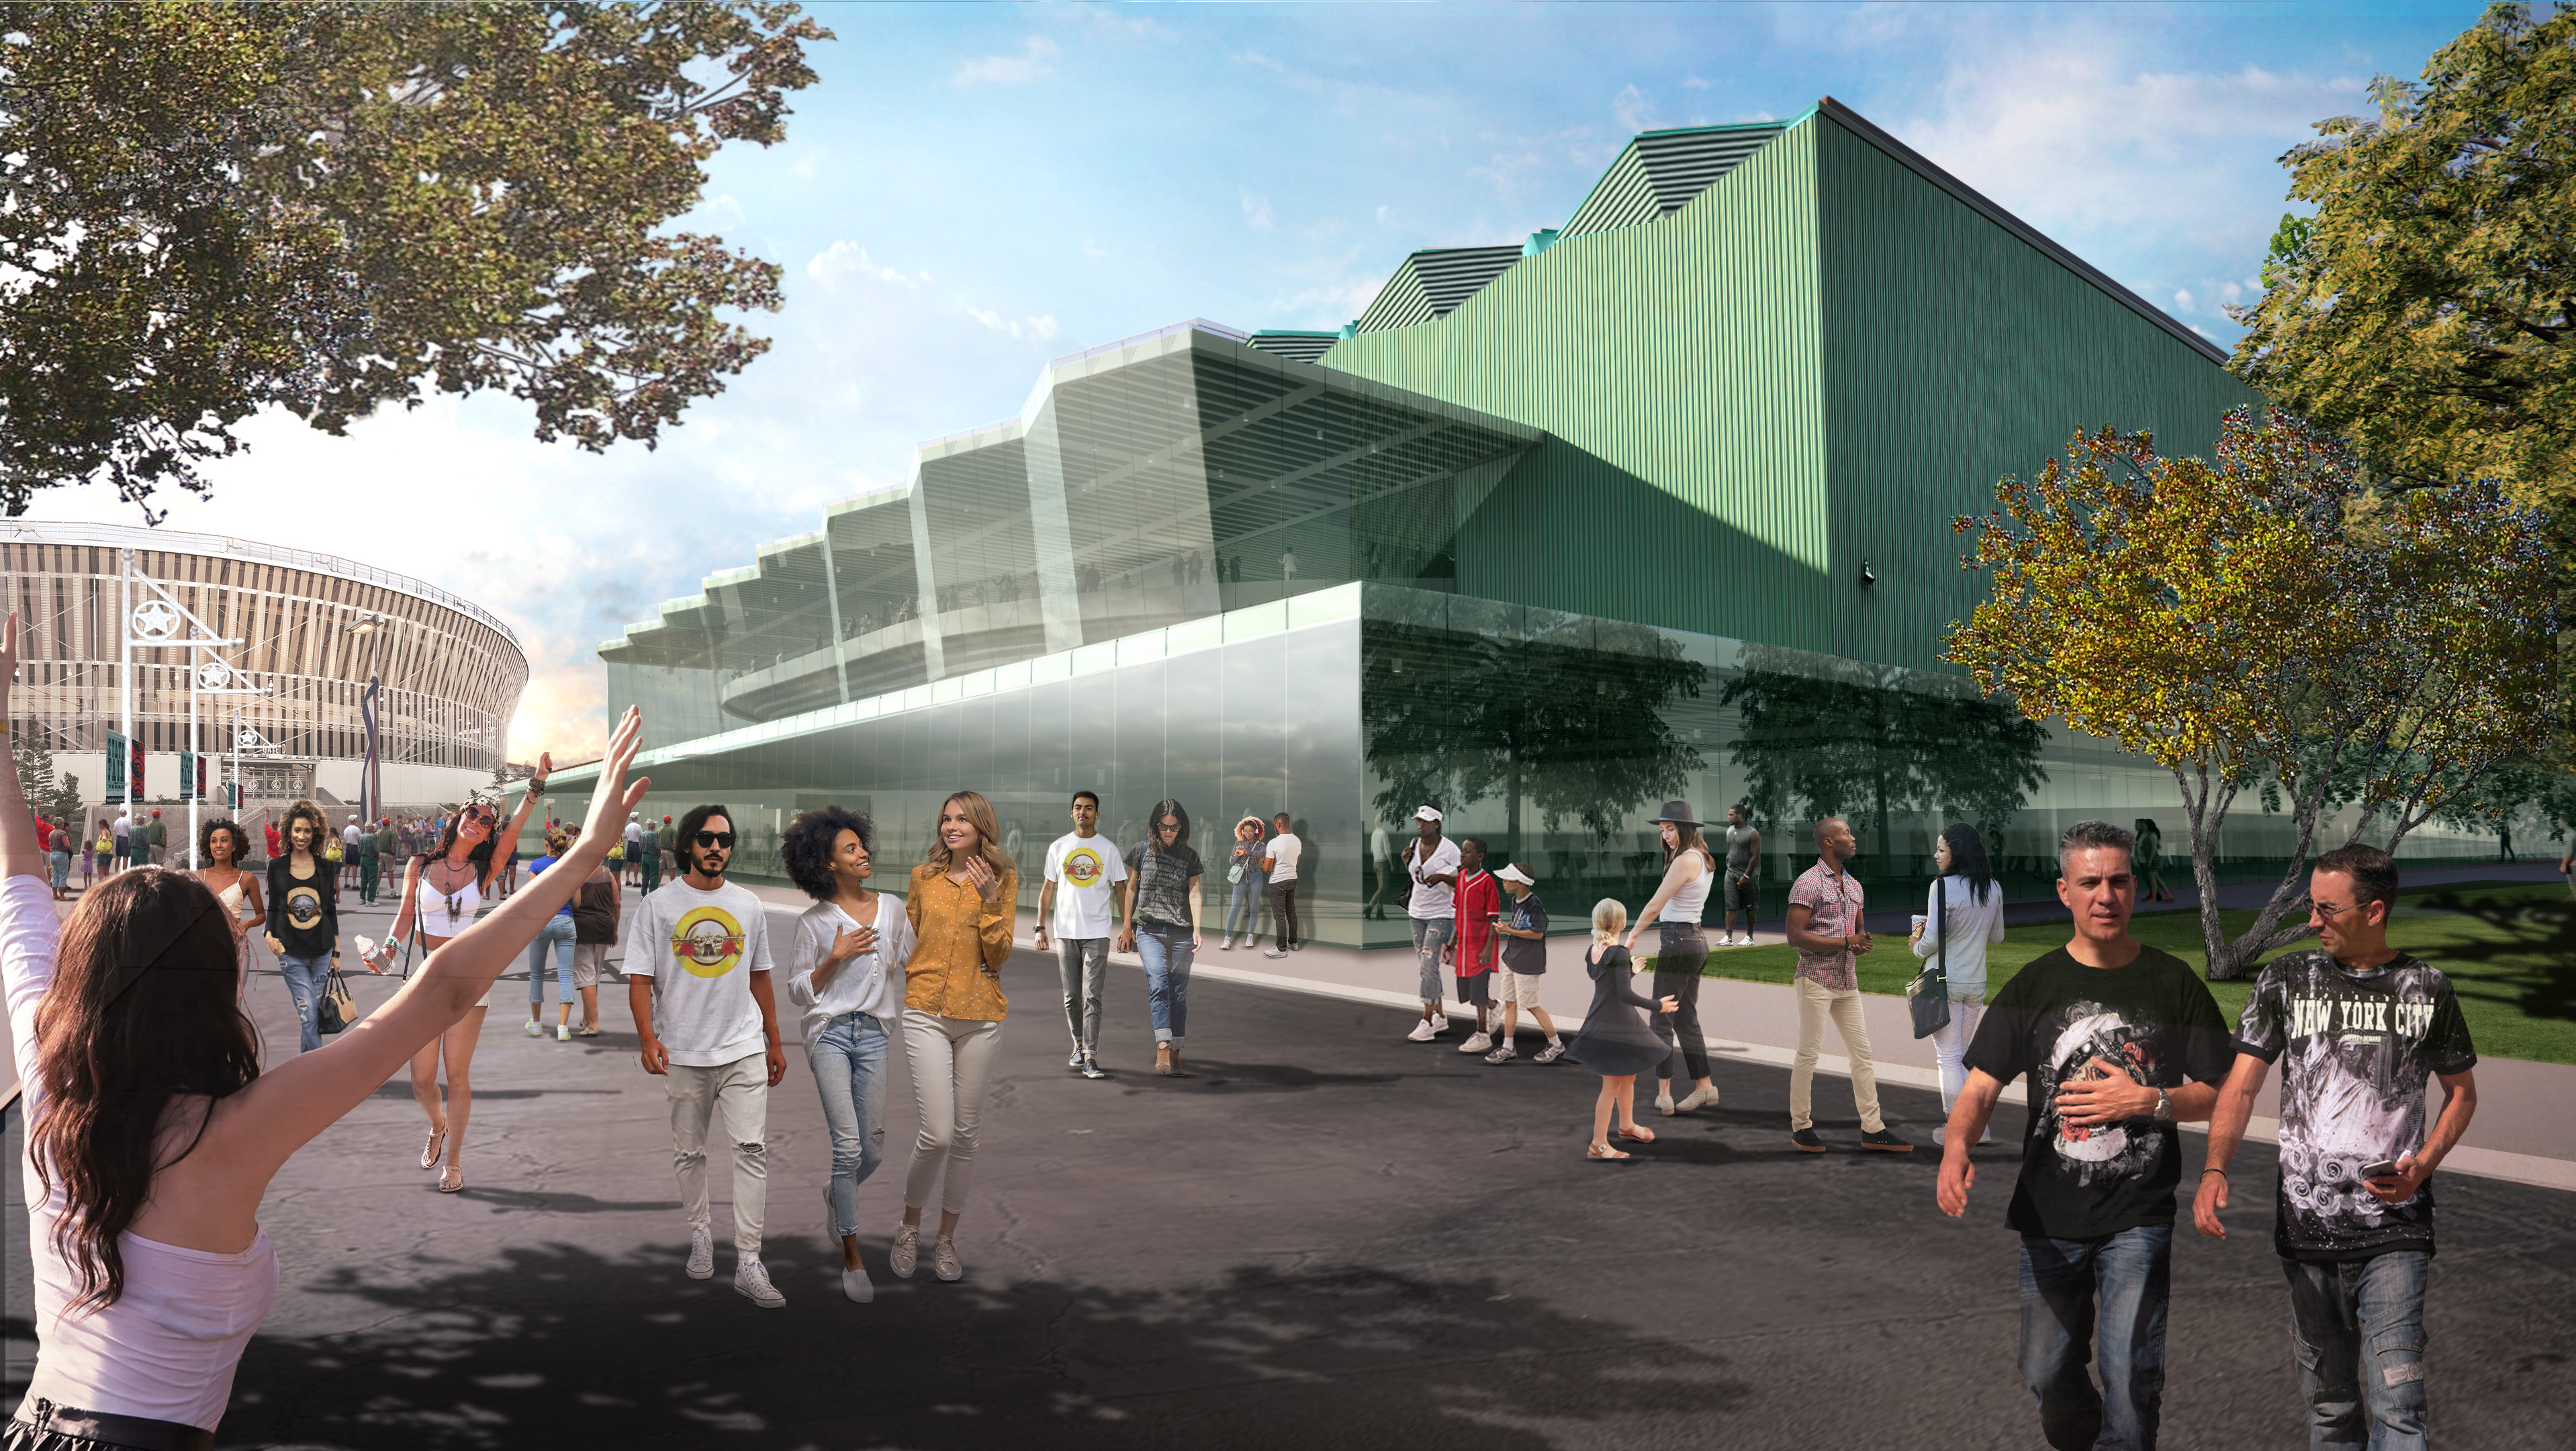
x: 1681, y: 954
x: 89, y: 862
x: 597, y: 908
x: 2357, y: 1026
x: 1432, y: 866
x: 219, y: 846
x: 1825, y: 926
x: 648, y: 853
x: 1288, y: 565
x: 1247, y: 883
x: 1163, y: 906
x: 2150, y: 856
x: 845, y: 977
x: 1743, y: 871
x: 698, y: 983
x: 2118, y: 1042
x: 156, y: 839
x: 370, y: 865
x: 352, y: 841
x: 1078, y: 907
x: 1279, y: 869
x: 1524, y: 968
x: 670, y: 839
x: 555, y: 939
x: 1963, y: 916
x: 1382, y: 865
x: 1616, y: 1041
x: 123, y: 830
x: 276, y: 845
x: 962, y: 907
x: 1475, y: 902
x: 57, y: 843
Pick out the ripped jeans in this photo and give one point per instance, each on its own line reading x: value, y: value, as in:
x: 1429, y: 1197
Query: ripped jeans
x: 737, y: 1094
x: 848, y: 1057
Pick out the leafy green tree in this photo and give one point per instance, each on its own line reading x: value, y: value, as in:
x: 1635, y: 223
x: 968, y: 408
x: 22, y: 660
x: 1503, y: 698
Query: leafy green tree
x: 2428, y: 311
x: 2234, y: 622
x: 323, y: 208
x: 1575, y: 732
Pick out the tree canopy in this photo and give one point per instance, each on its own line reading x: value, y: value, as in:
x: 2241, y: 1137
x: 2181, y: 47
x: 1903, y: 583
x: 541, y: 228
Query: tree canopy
x: 2244, y: 623
x: 2428, y: 311
x: 214, y: 209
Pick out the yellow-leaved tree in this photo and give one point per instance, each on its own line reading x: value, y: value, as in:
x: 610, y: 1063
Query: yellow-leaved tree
x: 2265, y: 621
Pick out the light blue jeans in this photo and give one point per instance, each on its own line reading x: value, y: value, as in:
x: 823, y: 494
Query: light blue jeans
x: 1167, y: 981
x: 849, y: 1061
x: 1245, y: 905
x: 557, y: 933
x: 2100, y: 1299
x: 305, y: 978
x: 2361, y: 1321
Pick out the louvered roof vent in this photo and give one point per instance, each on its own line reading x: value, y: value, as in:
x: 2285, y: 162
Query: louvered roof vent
x: 1658, y: 173
x: 1432, y: 283
x: 1302, y: 347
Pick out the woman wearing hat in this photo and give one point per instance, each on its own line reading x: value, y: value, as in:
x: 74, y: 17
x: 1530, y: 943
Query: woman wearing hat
x: 1689, y: 871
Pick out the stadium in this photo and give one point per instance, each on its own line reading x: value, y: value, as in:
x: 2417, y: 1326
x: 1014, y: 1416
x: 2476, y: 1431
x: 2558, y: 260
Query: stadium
x: 314, y: 628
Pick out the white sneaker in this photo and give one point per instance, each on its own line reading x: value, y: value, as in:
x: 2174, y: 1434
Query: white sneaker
x: 752, y: 1283
x: 1275, y: 952
x: 857, y: 1285
x: 907, y: 1244
x: 1226, y: 946
x: 1697, y: 1098
x: 534, y: 1029
x: 1503, y: 1054
x: 563, y: 1032
x: 1423, y: 1032
x: 702, y: 1255
x: 1477, y: 1042
x: 943, y: 1260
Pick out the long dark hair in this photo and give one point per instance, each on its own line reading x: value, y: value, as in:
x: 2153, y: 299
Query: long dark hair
x: 481, y: 855
x: 1154, y: 823
x: 286, y: 829
x: 115, y: 1045
x: 1968, y: 858
x: 1686, y: 837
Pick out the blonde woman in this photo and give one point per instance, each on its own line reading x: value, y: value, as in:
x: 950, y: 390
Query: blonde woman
x: 1616, y: 1042
x: 962, y: 905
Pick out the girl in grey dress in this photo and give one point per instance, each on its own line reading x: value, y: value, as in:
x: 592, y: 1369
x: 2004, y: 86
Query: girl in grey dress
x: 1615, y: 1041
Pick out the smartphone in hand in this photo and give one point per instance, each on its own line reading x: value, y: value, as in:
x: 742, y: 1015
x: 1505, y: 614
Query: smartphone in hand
x: 2384, y: 1169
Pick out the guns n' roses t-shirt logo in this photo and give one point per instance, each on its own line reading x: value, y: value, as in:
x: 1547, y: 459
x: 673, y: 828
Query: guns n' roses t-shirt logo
x: 304, y: 908
x: 1084, y: 867
x: 707, y: 942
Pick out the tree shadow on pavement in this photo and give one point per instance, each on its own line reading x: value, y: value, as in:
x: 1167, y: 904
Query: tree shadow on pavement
x: 557, y: 1345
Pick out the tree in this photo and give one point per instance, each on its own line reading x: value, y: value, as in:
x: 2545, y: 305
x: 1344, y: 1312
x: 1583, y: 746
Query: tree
x: 2428, y: 311
x: 47, y: 797
x: 1575, y: 730
x: 211, y: 210
x: 2235, y: 622
x: 1867, y: 742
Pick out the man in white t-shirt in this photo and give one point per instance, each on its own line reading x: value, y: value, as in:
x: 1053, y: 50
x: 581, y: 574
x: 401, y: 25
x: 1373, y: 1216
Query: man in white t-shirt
x: 1279, y: 862
x: 349, y: 855
x: 1079, y: 903
x: 1432, y: 864
x: 634, y: 845
x: 697, y: 978
x: 1382, y: 859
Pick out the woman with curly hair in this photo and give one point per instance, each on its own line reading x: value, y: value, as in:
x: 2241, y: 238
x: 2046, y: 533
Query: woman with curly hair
x: 845, y: 977
x: 220, y: 844
x: 962, y: 907
x: 442, y: 892
x: 152, y: 1133
x: 305, y: 934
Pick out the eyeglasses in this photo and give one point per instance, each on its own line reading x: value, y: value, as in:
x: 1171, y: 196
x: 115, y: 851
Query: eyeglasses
x: 722, y: 839
x: 2328, y: 910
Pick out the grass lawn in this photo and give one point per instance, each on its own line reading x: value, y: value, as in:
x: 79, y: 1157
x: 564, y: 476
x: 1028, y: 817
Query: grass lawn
x: 2509, y: 948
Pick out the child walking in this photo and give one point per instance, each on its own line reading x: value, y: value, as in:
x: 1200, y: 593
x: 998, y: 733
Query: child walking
x: 1524, y: 967
x: 1615, y: 1041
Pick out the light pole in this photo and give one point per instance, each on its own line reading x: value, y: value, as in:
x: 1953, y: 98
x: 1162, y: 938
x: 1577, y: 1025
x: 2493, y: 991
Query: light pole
x: 370, y: 789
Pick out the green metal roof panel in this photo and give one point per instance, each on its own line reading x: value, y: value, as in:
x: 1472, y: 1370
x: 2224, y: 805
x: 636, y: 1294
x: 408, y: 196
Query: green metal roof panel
x: 1659, y: 172
x: 1433, y: 282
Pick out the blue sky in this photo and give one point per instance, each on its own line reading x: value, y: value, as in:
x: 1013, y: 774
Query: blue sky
x: 973, y: 190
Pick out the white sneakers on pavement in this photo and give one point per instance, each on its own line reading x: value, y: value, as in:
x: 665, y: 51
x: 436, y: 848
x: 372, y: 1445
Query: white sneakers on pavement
x: 1477, y: 1042
x: 1423, y: 1031
x: 1502, y: 1054
x: 857, y: 1285
x: 1274, y: 952
x: 702, y: 1255
x: 907, y: 1245
x: 1697, y: 1098
x: 1554, y: 1050
x: 751, y: 1281
x: 943, y: 1260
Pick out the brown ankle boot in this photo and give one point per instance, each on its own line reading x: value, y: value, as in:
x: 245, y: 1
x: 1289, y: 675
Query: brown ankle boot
x: 1164, y: 1059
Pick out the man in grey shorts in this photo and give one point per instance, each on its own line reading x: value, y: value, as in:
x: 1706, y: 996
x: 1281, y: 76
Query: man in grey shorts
x: 1743, y: 861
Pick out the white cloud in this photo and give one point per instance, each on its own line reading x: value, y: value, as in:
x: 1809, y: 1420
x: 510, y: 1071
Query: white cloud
x: 2182, y: 299
x: 1635, y: 112
x: 1036, y: 59
x: 1031, y: 329
x: 846, y: 259
x: 1383, y: 213
x: 1695, y: 83
x: 1256, y: 212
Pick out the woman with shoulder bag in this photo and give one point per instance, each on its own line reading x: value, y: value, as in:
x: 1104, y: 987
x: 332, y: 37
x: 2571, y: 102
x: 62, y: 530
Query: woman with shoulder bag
x: 1251, y: 883
x: 1964, y: 914
x: 596, y: 911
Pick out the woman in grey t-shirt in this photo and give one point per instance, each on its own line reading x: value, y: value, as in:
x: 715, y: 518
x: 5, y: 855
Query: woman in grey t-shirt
x: 1163, y: 874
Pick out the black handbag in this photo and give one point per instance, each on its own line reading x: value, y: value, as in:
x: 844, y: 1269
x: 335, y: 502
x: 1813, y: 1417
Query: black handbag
x: 337, y: 1010
x: 1928, y: 996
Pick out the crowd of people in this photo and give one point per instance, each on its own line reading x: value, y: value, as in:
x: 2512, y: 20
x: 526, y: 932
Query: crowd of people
x: 154, y: 1129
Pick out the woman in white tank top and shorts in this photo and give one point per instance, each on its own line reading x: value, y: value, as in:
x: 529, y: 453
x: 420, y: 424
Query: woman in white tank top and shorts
x: 441, y: 893
x: 1689, y: 871
x: 152, y: 1133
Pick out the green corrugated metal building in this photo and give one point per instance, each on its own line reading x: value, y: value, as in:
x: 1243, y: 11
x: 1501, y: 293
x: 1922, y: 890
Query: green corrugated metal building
x: 1681, y: 472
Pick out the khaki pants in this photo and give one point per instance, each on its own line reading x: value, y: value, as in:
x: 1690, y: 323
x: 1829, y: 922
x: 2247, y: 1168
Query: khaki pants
x: 1816, y: 1003
x: 737, y: 1093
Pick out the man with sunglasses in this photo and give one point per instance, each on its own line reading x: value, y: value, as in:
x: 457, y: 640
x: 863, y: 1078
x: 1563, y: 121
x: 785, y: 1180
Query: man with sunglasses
x: 697, y: 979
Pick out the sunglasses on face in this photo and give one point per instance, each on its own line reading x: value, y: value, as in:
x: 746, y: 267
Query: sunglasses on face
x: 723, y: 839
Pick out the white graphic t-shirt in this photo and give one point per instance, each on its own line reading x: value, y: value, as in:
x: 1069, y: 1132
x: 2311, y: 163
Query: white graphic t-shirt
x: 1431, y: 899
x: 1285, y: 849
x: 1085, y: 870
x: 700, y: 950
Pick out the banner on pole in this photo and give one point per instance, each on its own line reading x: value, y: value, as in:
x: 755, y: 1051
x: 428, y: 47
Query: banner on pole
x: 134, y: 770
x: 115, y: 768
x: 200, y: 780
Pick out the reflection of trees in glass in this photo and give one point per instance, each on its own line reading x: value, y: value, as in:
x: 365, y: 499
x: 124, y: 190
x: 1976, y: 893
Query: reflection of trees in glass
x: 1843, y: 738
x: 1577, y: 733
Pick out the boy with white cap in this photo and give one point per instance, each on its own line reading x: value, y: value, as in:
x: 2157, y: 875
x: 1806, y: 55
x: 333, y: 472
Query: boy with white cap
x: 1433, y: 865
x: 1524, y: 965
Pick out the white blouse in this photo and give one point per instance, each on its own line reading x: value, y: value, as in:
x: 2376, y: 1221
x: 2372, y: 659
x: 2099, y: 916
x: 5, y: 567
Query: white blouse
x: 1973, y: 925
x: 870, y: 983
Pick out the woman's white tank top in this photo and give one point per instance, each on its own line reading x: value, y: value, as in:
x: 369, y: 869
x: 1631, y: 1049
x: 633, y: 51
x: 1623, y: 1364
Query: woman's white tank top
x: 444, y: 914
x: 1687, y: 903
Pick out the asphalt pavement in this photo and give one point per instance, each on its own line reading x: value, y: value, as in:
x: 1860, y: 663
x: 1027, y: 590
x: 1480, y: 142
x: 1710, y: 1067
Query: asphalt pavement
x: 1326, y: 1236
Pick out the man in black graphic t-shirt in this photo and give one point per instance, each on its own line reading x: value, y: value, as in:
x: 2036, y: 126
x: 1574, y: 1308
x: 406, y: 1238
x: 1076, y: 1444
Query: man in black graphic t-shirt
x: 2119, y: 1043
x: 2356, y: 1028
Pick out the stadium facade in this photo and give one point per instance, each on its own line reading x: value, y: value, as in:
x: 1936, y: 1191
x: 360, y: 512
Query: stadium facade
x: 1655, y: 503
x: 451, y: 671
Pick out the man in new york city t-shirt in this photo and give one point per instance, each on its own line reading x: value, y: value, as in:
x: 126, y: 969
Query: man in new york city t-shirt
x: 2118, y: 1043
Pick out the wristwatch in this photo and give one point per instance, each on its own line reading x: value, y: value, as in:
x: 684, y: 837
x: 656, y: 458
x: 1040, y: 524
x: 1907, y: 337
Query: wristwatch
x: 2164, y: 1107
